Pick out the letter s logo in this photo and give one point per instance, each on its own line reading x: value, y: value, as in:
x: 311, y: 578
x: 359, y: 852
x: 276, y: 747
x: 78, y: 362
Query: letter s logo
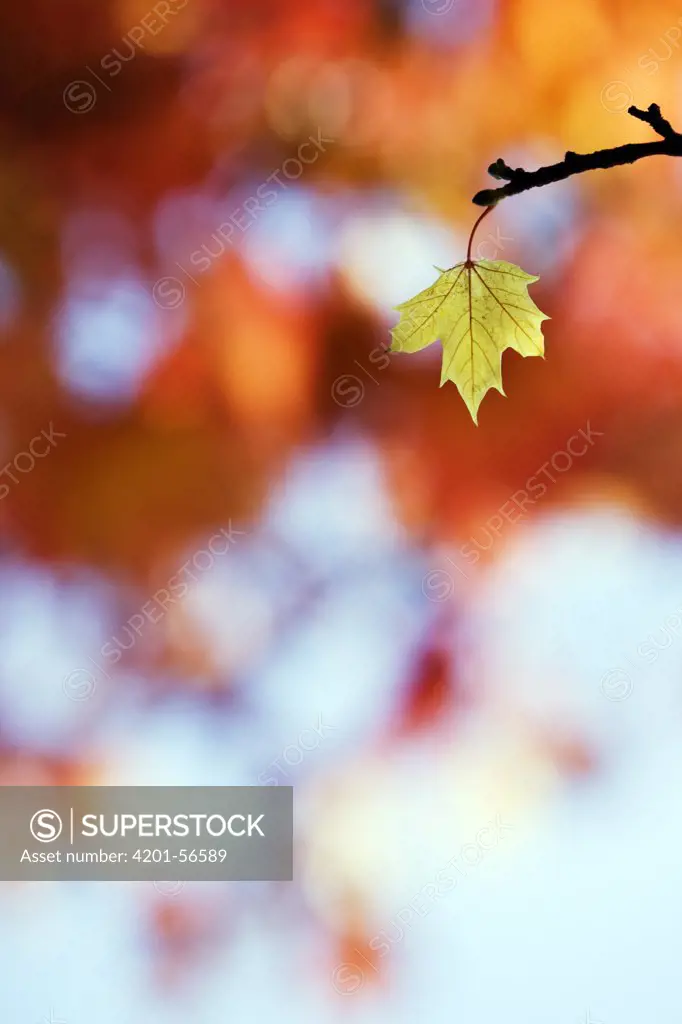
x: 46, y: 826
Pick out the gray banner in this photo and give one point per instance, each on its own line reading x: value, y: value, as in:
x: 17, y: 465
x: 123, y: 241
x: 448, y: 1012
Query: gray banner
x: 146, y: 833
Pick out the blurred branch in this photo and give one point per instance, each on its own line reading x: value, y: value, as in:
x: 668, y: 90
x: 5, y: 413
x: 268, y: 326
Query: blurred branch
x: 520, y: 180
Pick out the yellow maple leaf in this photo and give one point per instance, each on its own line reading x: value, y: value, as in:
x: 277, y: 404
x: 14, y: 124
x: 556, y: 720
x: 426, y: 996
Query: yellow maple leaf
x: 478, y: 309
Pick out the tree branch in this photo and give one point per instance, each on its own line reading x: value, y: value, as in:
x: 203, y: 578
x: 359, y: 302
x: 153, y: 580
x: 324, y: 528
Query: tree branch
x: 520, y: 180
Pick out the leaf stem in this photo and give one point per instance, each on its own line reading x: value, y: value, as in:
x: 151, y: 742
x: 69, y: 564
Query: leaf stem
x: 473, y: 230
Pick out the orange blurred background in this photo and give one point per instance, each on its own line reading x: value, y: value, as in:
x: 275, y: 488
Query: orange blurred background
x: 209, y: 210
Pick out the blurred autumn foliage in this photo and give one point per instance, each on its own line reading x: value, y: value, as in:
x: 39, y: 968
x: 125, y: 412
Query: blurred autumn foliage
x: 211, y: 104
x: 188, y: 394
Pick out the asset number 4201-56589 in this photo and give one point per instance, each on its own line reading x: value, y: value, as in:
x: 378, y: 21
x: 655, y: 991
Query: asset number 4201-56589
x: 182, y: 857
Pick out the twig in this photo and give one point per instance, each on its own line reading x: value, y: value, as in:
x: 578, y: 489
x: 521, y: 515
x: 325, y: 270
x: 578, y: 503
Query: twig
x: 520, y: 180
